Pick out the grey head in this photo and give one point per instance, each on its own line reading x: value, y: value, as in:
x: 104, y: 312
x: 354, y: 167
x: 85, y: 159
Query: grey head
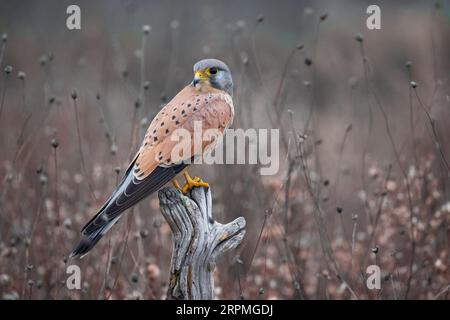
x: 214, y: 72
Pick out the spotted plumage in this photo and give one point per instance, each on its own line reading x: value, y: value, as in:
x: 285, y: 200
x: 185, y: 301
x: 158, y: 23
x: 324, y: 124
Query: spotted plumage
x: 208, y: 101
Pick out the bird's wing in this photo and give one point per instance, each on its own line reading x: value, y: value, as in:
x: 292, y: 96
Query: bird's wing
x: 153, y: 167
x: 188, y: 110
x: 129, y: 192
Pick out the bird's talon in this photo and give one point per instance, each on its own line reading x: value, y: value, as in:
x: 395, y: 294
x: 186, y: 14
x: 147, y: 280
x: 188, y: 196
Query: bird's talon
x: 193, y: 182
x: 175, y: 184
x: 185, y: 188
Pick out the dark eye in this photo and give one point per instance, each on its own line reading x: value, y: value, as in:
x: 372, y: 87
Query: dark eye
x: 213, y: 70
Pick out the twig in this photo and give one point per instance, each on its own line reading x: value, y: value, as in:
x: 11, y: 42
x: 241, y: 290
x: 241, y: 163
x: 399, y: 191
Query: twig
x: 2, y: 104
x: 434, y: 133
x: 440, y: 293
x: 80, y: 148
x: 124, y: 247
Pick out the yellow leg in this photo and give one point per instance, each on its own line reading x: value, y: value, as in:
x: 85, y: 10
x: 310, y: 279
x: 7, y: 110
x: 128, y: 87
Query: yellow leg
x: 175, y: 184
x: 192, y: 182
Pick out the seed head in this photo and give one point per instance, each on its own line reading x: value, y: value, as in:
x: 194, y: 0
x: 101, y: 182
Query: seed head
x: 21, y: 75
x: 260, y: 18
x: 244, y: 58
x: 157, y: 223
x: 114, y: 260
x: 143, y: 233
x: 137, y: 103
x: 308, y: 11
x: 4, y: 37
x: 43, y: 178
x: 144, y: 122
x: 146, y: 85
x: 146, y: 29
x: 8, y: 69
x: 240, y: 24
x: 43, y: 60
x: 413, y: 84
x: 300, y: 46
x: 74, y: 94
x: 359, y: 38
x: 375, y: 249
x: 113, y: 150
x: 5, y: 279
x: 349, y: 128
x: 55, y: 143
x: 324, y: 16
x: 353, y: 81
x: 408, y: 64
x: 308, y: 61
x: 174, y: 24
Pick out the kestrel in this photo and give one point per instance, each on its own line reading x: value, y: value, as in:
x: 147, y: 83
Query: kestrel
x: 206, y: 100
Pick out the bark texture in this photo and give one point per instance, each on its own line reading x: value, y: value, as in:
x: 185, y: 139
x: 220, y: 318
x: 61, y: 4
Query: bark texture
x: 197, y: 241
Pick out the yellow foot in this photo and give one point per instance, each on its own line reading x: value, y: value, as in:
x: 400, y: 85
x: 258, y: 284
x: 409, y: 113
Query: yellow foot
x: 175, y: 184
x: 193, y: 182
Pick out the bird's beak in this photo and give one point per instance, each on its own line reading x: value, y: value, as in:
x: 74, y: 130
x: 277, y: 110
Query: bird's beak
x: 199, y: 77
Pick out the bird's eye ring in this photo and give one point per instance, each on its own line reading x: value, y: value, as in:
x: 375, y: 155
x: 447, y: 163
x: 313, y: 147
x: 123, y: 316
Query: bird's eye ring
x: 213, y: 70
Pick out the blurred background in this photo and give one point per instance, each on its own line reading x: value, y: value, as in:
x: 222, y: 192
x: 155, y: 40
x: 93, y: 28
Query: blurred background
x: 364, y: 132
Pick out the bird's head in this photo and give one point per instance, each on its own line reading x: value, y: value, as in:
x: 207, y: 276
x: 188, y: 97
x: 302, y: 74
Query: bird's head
x: 213, y: 73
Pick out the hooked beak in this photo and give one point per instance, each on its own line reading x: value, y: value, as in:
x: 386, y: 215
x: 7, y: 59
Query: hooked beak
x: 200, y: 77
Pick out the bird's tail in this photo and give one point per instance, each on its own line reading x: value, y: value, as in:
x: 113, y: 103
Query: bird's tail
x: 129, y: 192
x: 89, y: 240
x: 105, y: 218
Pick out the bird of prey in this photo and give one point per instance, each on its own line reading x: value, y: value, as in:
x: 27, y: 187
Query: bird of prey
x: 206, y: 100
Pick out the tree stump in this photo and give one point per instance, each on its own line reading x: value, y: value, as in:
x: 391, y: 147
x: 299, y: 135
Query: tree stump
x: 197, y: 241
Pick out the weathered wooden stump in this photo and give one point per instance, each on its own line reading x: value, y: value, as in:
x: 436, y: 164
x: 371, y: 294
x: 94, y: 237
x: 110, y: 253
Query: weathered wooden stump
x: 197, y: 241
